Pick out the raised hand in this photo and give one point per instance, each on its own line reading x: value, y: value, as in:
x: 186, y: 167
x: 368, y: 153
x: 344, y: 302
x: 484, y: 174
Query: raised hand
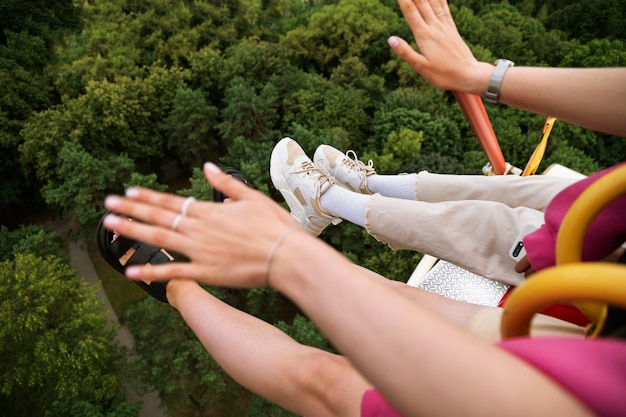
x: 444, y: 59
x: 227, y: 244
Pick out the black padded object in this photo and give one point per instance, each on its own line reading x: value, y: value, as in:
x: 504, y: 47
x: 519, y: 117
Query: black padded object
x: 112, y: 250
x: 218, y: 196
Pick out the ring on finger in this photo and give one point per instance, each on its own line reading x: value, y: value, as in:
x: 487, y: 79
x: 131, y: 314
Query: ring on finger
x: 186, y: 205
x: 176, y: 221
x: 441, y: 15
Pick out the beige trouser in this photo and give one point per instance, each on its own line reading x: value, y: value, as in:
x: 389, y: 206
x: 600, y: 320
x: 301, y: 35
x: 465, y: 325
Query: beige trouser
x: 468, y: 220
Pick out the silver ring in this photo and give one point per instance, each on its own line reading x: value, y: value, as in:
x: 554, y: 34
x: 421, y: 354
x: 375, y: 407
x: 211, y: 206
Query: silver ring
x: 186, y: 205
x: 176, y: 221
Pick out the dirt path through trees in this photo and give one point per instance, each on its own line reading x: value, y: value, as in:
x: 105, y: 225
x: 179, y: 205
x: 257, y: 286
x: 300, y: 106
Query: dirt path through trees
x: 81, y: 263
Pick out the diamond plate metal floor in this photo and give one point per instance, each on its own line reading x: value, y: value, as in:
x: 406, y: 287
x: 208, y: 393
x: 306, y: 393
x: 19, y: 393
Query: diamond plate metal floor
x: 457, y: 283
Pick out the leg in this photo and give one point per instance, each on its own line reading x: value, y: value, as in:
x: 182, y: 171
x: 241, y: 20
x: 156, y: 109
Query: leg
x: 534, y: 191
x: 481, y: 321
x: 475, y: 235
x: 514, y: 191
x: 299, y: 378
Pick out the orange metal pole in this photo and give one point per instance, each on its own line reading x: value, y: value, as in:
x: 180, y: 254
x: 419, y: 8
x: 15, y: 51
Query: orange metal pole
x: 476, y: 115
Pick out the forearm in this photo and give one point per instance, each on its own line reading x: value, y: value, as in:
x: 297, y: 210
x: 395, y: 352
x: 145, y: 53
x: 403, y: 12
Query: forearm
x: 590, y: 97
x: 402, y: 348
x: 594, y: 98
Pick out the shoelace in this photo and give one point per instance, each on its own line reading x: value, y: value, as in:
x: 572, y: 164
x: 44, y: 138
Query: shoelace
x: 356, y: 164
x: 311, y: 169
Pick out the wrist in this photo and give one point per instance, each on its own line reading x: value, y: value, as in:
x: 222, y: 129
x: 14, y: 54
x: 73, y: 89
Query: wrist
x: 285, y: 261
x: 492, y: 92
x: 177, y: 289
x: 478, y: 80
x: 298, y: 261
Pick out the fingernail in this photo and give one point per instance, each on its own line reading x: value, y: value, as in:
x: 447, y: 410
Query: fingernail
x: 133, y: 272
x: 112, y: 202
x: 393, y: 41
x: 111, y: 221
x: 132, y: 192
x: 211, y: 167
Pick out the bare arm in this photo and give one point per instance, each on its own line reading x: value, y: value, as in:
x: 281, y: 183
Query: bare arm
x: 594, y: 98
x: 422, y: 363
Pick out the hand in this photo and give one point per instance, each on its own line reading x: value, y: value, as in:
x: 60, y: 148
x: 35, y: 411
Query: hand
x: 227, y: 244
x: 444, y: 59
x: 523, y: 267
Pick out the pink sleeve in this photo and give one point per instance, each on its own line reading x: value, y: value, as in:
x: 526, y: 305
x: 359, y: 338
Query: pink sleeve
x: 374, y: 405
x: 605, y: 234
x: 593, y: 370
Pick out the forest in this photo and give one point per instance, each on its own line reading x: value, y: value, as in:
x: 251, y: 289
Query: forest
x: 99, y: 95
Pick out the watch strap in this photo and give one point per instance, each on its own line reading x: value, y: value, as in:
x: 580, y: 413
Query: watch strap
x: 493, y: 89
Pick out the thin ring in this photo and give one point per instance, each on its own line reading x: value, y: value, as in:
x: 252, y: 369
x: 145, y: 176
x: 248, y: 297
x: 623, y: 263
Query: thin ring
x: 186, y: 205
x: 176, y: 221
x: 441, y: 14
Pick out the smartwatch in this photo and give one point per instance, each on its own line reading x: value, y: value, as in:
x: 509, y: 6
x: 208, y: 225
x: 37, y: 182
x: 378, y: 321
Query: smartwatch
x: 493, y: 89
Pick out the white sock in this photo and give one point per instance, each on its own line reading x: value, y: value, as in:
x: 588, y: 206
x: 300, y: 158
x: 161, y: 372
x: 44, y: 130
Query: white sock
x: 346, y: 204
x: 397, y: 186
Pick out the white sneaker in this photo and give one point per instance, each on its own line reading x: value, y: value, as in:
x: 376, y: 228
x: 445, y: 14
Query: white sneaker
x: 346, y: 168
x: 302, y: 184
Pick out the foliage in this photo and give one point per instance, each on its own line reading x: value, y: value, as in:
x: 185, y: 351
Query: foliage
x: 176, y: 363
x: 189, y: 125
x: 30, y: 240
x: 40, y: 18
x: 99, y: 95
x: 340, y: 31
x: 399, y: 148
x: 82, y: 181
x: 122, y: 117
x: 86, y: 409
x: 56, y: 341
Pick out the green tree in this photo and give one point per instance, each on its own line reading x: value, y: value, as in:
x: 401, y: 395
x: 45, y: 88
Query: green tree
x: 83, y: 180
x: 247, y: 112
x: 178, y: 365
x: 24, y: 89
x: 122, y: 117
x: 572, y: 158
x: 400, y: 110
x: 400, y: 148
x: 56, y: 341
x: 595, y: 53
x: 39, y: 18
x: 336, y: 32
x: 256, y: 61
x: 440, y: 164
x: 190, y: 127
x: 30, y: 240
x: 251, y: 159
x: 507, y: 32
x: 86, y: 409
x: 589, y: 19
x: 199, y: 187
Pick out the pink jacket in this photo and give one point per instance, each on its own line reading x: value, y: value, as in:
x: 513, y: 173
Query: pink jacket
x: 605, y: 234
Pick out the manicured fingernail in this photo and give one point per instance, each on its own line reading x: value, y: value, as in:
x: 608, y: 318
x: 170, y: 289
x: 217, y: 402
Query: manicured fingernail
x: 133, y: 272
x: 112, y: 202
x: 393, y: 41
x: 112, y: 221
x: 132, y: 192
x: 211, y: 167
